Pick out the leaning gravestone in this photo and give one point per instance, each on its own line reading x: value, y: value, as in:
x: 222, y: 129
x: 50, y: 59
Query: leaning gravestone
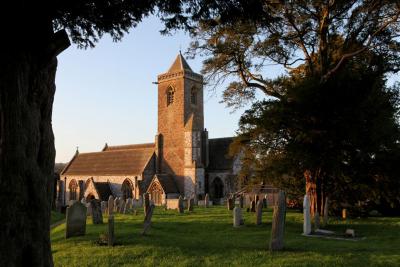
x: 146, y: 204
x: 97, y: 216
x: 180, y: 204
x: 253, y: 206
x: 307, y: 216
x: 259, y: 212
x: 278, y: 223
x: 231, y: 203
x: 147, y: 219
x: 111, y: 236
x: 206, y: 200
x: 76, y: 220
x: 110, y: 205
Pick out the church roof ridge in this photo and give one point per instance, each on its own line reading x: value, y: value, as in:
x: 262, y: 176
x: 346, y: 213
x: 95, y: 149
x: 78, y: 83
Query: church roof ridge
x: 180, y: 64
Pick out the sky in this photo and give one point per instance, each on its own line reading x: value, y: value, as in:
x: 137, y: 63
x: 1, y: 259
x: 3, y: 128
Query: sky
x: 106, y: 94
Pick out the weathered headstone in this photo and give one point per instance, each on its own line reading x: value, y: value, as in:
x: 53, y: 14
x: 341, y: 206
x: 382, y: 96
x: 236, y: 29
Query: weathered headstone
x: 326, y: 211
x: 181, y: 206
x: 147, y: 219
x: 231, y: 203
x: 306, y: 215
x: 122, y: 205
x: 111, y: 236
x: 190, y: 204
x: 103, y: 205
x: 97, y: 216
x: 146, y: 203
x: 116, y: 202
x: 253, y: 206
x: 259, y: 212
x: 278, y: 223
x: 76, y: 220
x: 241, y: 200
x: 110, y: 205
x: 206, y: 200
x: 316, y: 220
x: 128, y: 205
x: 237, y: 217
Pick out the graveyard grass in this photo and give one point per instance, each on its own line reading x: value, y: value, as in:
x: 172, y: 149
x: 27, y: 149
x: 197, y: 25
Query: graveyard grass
x: 206, y: 237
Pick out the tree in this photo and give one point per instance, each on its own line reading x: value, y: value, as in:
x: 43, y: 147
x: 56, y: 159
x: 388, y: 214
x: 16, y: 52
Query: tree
x: 35, y: 33
x: 350, y: 136
x: 312, y: 40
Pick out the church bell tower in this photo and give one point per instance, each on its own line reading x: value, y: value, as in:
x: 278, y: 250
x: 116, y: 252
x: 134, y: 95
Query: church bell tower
x: 181, y: 142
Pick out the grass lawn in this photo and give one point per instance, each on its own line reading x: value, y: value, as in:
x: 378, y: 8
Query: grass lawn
x: 206, y: 237
x: 56, y: 217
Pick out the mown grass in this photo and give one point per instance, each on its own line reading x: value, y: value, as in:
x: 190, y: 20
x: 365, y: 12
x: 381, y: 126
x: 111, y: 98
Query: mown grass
x: 206, y: 237
x: 56, y: 217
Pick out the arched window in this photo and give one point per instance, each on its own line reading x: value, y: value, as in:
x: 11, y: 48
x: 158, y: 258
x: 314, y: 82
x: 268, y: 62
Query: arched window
x: 193, y: 96
x: 127, y: 189
x: 73, y: 188
x: 170, y: 95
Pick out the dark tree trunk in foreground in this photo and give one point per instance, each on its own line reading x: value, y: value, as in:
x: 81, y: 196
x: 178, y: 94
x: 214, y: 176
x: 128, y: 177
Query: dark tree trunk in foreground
x: 27, y: 153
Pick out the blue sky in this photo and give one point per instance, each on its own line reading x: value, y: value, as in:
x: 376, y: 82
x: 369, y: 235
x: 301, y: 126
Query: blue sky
x: 106, y: 94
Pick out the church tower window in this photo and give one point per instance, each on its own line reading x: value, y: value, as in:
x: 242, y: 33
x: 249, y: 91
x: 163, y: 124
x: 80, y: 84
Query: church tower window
x: 193, y: 96
x: 170, y: 96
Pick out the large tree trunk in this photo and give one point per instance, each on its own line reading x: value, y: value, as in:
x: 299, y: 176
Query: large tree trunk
x: 27, y: 153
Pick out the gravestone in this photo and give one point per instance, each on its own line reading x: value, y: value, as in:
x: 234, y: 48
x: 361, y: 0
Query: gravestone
x: 103, y: 207
x: 253, y: 206
x: 111, y: 235
x: 180, y: 205
x: 128, y: 205
x: 116, y: 201
x: 190, y: 204
x: 306, y: 215
x: 278, y: 223
x: 259, y: 212
x: 147, y: 219
x: 110, y: 205
x: 76, y: 220
x: 206, y: 200
x: 316, y: 220
x: 146, y: 203
x: 326, y: 210
x: 265, y: 201
x: 121, y: 205
x: 97, y: 216
x: 237, y: 217
x: 241, y: 200
x: 231, y: 203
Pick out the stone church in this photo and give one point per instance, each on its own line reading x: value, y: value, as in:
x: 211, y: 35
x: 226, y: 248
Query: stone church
x: 181, y: 161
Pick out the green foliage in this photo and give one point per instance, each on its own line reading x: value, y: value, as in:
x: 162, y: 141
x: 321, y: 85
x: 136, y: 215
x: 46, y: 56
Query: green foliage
x: 206, y: 237
x: 346, y: 130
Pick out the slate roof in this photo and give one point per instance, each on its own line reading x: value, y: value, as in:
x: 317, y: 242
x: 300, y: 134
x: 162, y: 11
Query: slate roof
x: 180, y: 64
x: 218, y: 149
x: 119, y: 160
x: 167, y: 182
